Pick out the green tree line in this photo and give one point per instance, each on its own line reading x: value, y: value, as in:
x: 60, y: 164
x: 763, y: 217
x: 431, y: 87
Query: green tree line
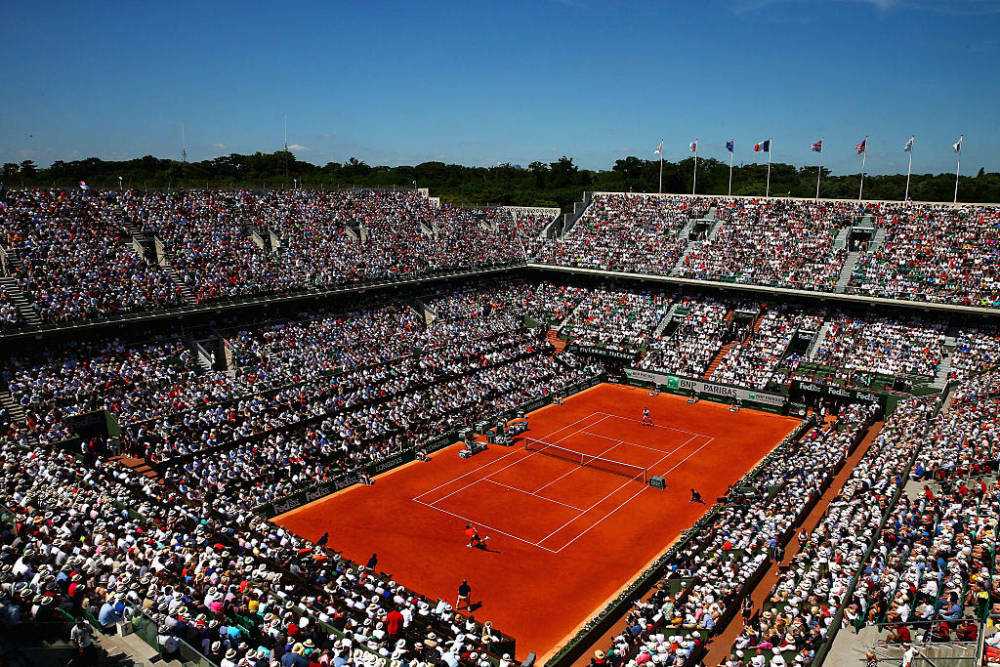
x: 558, y: 183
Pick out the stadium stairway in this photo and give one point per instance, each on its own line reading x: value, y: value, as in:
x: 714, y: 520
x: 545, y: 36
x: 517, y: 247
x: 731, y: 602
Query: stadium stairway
x: 568, y: 317
x: 181, y: 287
x: 878, y: 239
x: 13, y: 408
x: 818, y: 341
x: 553, y: 337
x: 9, y: 285
x: 943, y: 371
x: 676, y: 271
x: 666, y: 320
x: 847, y: 272
x: 130, y: 649
x: 719, y: 356
x: 841, y: 240
x: 136, y: 465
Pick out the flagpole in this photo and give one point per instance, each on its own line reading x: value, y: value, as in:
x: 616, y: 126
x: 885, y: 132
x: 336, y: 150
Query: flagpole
x: 958, y: 167
x: 694, y: 182
x: 909, y: 166
x: 659, y: 149
x: 819, y: 171
x: 730, y: 174
x: 864, y: 156
x: 767, y: 188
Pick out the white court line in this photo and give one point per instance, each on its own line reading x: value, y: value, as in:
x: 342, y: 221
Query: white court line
x: 574, y: 469
x: 509, y: 465
x: 626, y: 442
x: 532, y: 493
x: 631, y: 498
x: 486, y: 465
x: 488, y: 527
x: 669, y: 428
x: 613, y: 492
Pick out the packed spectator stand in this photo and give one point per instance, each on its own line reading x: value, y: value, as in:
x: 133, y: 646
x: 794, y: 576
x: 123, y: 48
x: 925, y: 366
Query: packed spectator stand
x: 240, y: 413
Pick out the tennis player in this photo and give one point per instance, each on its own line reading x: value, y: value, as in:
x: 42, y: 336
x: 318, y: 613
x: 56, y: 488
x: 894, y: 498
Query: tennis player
x: 647, y: 418
x: 473, y: 538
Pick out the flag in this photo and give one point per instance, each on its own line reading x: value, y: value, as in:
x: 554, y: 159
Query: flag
x: 862, y: 147
x: 84, y: 186
x: 958, y: 144
x: 817, y: 146
x: 659, y: 148
x: 694, y: 146
x: 731, y: 145
x: 764, y: 146
x: 909, y: 144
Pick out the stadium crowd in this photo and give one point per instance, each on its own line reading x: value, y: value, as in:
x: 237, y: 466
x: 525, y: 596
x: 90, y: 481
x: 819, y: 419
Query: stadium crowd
x: 796, y: 619
x: 75, y: 260
x: 78, y: 256
x: 616, y: 319
x: 936, y: 253
x: 753, y: 361
x: 690, y: 348
x: 628, y: 233
x: 883, y: 345
x: 772, y: 242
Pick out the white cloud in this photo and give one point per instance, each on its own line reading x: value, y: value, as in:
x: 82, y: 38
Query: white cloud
x: 959, y: 7
x: 219, y: 146
x: 298, y: 147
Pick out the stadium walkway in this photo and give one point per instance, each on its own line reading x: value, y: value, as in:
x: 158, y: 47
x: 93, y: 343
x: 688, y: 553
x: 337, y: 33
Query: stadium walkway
x: 719, y: 647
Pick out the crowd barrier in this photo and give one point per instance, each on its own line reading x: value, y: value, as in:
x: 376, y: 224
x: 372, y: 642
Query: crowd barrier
x: 678, y: 384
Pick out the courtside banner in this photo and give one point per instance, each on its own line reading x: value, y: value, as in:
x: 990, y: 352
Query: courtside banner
x: 678, y: 383
x: 818, y: 389
x: 621, y: 355
x: 317, y: 491
x: 299, y: 498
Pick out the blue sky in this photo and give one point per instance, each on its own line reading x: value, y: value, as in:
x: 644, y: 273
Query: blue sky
x: 482, y: 82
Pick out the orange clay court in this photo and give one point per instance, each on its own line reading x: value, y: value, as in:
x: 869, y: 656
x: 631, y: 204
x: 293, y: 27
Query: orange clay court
x: 564, y: 538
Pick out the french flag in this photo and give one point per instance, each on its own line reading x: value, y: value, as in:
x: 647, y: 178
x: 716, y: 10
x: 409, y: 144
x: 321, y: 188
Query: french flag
x: 762, y: 147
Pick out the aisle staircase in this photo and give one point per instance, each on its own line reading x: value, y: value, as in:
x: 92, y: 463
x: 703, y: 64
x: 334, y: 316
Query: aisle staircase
x: 13, y: 408
x: 841, y: 239
x: 667, y: 319
x: 943, y: 371
x: 719, y: 356
x: 136, y: 465
x: 181, y: 287
x: 10, y: 285
x: 878, y: 239
x: 847, y: 271
x: 820, y: 337
x: 553, y: 337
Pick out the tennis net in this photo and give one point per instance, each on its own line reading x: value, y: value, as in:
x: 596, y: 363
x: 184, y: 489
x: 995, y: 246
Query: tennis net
x: 586, y: 460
